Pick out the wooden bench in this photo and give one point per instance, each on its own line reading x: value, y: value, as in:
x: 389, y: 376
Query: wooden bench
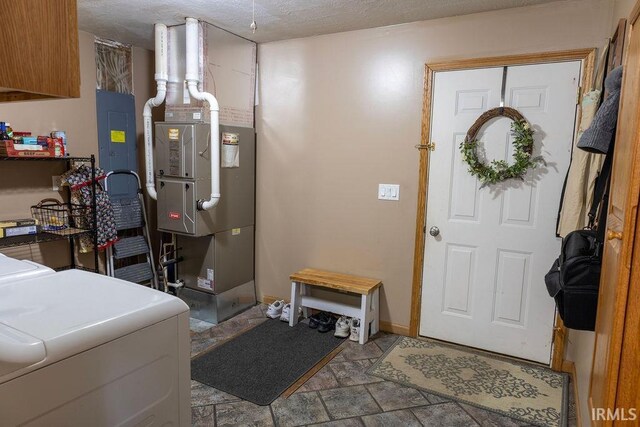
x: 369, y: 290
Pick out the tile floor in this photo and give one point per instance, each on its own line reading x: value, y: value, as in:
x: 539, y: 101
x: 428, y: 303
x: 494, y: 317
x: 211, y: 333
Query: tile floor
x: 339, y: 394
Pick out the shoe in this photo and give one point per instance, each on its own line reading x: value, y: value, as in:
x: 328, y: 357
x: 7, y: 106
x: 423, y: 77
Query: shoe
x: 343, y: 327
x: 355, y: 330
x: 275, y: 310
x: 314, y: 320
x: 327, y: 324
x: 286, y: 312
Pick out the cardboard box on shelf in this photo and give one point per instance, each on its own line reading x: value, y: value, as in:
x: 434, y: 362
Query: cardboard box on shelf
x: 9, y: 149
x: 18, y: 231
x: 16, y: 222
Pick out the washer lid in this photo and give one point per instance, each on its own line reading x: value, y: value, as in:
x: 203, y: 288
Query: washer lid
x: 73, y: 311
x: 13, y: 269
x: 18, y: 350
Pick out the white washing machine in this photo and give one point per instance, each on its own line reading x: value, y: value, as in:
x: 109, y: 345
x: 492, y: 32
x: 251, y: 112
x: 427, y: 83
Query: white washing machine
x: 81, y: 349
x: 12, y: 269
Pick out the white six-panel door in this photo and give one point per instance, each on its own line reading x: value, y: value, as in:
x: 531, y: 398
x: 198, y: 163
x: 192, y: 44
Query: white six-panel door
x: 483, y: 281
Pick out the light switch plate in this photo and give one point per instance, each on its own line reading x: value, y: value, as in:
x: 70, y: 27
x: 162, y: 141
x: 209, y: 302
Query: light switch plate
x: 388, y: 192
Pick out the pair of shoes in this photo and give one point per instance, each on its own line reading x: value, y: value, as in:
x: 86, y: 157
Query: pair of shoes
x: 323, y: 321
x: 346, y: 327
x: 275, y: 310
x: 314, y: 320
x: 327, y: 323
x: 280, y: 310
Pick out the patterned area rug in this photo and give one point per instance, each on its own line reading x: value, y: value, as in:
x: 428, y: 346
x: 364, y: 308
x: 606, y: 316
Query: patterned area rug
x: 531, y: 393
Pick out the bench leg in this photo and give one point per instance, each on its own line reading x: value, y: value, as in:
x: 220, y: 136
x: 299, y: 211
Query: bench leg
x: 365, y: 318
x: 295, y: 302
x: 305, y: 290
x: 375, y: 308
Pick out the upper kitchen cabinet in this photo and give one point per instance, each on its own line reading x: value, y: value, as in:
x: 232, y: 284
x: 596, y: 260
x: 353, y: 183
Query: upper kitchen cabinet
x: 39, y: 41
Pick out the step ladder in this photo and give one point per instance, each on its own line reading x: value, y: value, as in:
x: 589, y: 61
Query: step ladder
x: 131, y: 258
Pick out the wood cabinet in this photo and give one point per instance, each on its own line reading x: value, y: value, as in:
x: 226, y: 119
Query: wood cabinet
x: 39, y: 57
x: 614, y: 379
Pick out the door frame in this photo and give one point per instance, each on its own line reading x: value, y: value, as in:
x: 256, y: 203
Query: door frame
x: 587, y: 56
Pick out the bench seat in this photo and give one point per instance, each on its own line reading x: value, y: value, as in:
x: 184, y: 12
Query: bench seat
x: 369, y: 290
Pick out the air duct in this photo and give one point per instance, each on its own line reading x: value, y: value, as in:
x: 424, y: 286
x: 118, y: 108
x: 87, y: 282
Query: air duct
x: 192, y: 78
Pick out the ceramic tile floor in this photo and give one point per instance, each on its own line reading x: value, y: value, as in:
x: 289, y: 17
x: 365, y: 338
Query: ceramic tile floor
x: 339, y: 394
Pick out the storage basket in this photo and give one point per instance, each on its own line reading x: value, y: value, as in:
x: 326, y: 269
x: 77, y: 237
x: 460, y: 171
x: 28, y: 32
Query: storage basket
x: 56, y: 217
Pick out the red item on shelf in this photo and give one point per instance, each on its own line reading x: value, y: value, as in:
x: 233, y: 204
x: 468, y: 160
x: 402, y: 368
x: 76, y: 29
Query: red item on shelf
x: 9, y: 149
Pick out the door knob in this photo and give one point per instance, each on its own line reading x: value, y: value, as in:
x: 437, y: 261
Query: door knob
x: 434, y: 231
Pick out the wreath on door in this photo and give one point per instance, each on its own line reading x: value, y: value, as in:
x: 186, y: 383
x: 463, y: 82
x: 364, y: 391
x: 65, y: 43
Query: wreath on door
x: 499, y: 170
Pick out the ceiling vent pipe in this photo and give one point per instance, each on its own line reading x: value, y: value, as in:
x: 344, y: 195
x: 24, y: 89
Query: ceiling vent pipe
x: 191, y: 76
x: 161, y: 77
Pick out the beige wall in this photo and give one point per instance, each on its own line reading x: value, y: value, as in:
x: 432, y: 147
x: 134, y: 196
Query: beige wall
x: 340, y: 114
x: 23, y: 184
x: 621, y: 9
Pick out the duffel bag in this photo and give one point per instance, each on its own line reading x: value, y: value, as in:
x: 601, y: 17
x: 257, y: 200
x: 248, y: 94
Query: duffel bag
x: 574, y: 279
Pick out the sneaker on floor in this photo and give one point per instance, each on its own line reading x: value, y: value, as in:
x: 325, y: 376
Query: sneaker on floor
x: 355, y: 330
x: 285, y: 312
x: 275, y: 310
x: 327, y: 324
x: 343, y: 327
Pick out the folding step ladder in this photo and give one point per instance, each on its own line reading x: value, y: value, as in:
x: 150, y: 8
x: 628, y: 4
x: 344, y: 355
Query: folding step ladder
x: 130, y: 258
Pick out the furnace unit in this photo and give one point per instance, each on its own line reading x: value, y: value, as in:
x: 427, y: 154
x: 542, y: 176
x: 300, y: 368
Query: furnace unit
x: 217, y: 245
x: 202, y: 169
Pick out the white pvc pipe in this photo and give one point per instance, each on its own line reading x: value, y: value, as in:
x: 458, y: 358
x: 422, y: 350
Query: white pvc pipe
x: 162, y: 62
x: 161, y: 79
x: 191, y: 36
x: 191, y: 76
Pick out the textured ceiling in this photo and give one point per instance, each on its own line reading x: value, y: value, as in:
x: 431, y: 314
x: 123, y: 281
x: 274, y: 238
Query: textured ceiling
x: 131, y: 21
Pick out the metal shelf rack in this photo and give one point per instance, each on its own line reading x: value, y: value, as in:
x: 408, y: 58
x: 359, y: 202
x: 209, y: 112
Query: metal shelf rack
x: 69, y: 235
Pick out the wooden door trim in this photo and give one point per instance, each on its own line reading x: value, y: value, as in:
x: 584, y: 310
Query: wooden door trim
x: 499, y: 61
x: 635, y: 13
x: 628, y: 381
x: 587, y: 56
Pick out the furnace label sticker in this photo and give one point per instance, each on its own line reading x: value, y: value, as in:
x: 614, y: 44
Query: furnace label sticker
x: 118, y: 136
x: 230, y: 150
x: 205, y: 284
x: 174, y: 157
x: 174, y: 134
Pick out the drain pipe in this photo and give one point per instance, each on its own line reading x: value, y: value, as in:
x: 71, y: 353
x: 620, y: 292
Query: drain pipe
x: 191, y: 76
x: 161, y: 77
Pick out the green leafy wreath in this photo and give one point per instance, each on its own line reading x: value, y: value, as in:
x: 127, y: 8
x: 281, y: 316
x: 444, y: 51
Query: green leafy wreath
x: 499, y: 170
